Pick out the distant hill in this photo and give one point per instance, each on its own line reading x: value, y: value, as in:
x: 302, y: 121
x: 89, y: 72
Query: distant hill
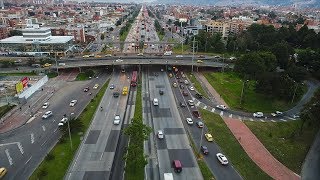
x: 298, y: 3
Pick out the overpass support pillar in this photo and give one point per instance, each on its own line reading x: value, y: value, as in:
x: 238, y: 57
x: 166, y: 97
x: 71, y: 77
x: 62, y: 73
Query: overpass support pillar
x: 197, y: 68
x: 80, y: 69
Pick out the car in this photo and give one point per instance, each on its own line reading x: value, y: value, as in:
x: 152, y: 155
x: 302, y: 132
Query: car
x: 73, y: 103
x: 45, y: 105
x: 86, y: 89
x: 222, y: 158
x: 186, y: 82
x: 119, y: 60
x: 108, y: 55
x: 179, y: 56
x: 191, y: 88
x: 96, y: 86
x: 170, y: 75
x: 160, y: 134
x: 201, y: 56
x: 216, y: 56
x: 182, y: 104
x: 258, y: 114
x: 200, y: 124
x: 198, y: 95
x: 47, y: 114
x: 177, y: 76
x: 177, y: 166
x: 47, y: 65
x: 85, y: 56
x: 155, y: 102
x: 3, y: 172
x: 221, y: 107
x: 204, y: 150
x: 183, y: 75
x: 161, y: 70
x: 140, y: 54
x: 98, y: 56
x: 185, y: 93
x: 180, y: 81
x: 116, y: 120
x: 161, y: 92
x: 63, y: 121
x: 208, y: 137
x: 190, y: 103
x: 199, y: 61
x: 181, y: 86
x: 277, y: 113
x: 112, y: 86
x: 196, y: 114
x: 175, y: 84
x: 189, y: 121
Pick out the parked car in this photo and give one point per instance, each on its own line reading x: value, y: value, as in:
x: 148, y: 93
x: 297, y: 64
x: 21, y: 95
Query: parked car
x: 199, y: 61
x: 190, y: 103
x: 175, y: 84
x: 3, y: 172
x: 222, y: 158
x: 258, y: 114
x: 208, y: 137
x: 189, y: 121
x: 181, y: 86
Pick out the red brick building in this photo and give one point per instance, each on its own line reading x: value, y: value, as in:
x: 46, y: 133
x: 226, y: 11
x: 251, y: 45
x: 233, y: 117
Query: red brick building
x: 77, y: 33
x: 4, y: 33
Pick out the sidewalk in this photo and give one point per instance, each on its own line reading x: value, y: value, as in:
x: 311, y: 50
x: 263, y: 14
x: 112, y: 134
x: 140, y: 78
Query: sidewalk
x: 251, y: 144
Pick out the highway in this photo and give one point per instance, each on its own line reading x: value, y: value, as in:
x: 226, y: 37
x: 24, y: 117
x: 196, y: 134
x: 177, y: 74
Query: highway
x: 23, y: 149
x: 95, y: 156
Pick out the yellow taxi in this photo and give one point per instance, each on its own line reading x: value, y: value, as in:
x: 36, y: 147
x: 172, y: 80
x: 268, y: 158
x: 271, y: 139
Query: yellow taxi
x: 199, y: 61
x: 98, y: 56
x: 85, y: 56
x: 3, y: 172
x: 208, y: 137
x: 47, y: 65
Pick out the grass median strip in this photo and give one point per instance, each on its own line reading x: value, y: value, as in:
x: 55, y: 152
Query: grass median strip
x: 285, y: 142
x: 197, y: 84
x: 56, y: 163
x: 229, y: 86
x: 230, y: 146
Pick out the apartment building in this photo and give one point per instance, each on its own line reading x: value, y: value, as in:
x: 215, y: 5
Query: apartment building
x: 77, y: 33
x: 227, y: 27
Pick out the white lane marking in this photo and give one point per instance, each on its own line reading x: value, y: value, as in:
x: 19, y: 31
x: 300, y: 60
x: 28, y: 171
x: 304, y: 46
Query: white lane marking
x: 31, y: 119
x: 198, y: 103
x: 20, y: 148
x: 213, y: 109
x: 230, y: 116
x: 290, y: 118
x: 205, y: 107
x: 44, y: 142
x: 193, y: 98
x: 54, y: 120
x: 262, y: 120
x: 273, y: 120
x: 221, y: 113
x: 250, y: 119
x: 283, y: 120
x: 239, y: 117
x: 32, y: 138
x: 43, y: 128
x: 56, y: 129
x: 9, y: 157
x: 28, y: 160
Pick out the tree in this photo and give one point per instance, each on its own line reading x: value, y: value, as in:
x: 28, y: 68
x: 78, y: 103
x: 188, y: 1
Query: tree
x: 15, y: 33
x: 250, y: 65
x: 281, y: 51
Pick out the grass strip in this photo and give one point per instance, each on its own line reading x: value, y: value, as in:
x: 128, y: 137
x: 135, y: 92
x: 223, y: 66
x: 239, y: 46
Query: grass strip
x: 197, y: 84
x: 56, y: 163
x: 19, y: 74
x: 229, y: 86
x: 82, y: 77
x: 131, y: 172
x: 285, y: 142
x: 231, y: 147
x: 6, y: 108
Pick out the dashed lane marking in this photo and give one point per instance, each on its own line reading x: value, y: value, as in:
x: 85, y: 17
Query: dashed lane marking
x: 28, y: 160
x: 43, y: 128
x: 32, y: 138
x: 283, y: 120
x: 250, y: 119
x: 221, y: 113
x: 262, y: 120
x: 20, y: 148
x: 205, y: 107
x: 230, y: 116
x: 213, y: 109
x: 198, y: 103
x: 273, y: 120
x: 9, y: 157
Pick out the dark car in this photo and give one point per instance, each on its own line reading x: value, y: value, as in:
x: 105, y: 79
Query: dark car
x: 177, y: 166
x: 86, y: 89
x: 181, y: 86
x: 161, y: 92
x: 196, y: 114
x: 184, y: 93
x: 204, y: 150
x: 199, y: 96
x: 178, y: 77
x: 182, y: 104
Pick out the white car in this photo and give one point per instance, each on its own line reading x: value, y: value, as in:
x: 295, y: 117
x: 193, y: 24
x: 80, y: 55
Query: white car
x: 189, y: 121
x: 191, y: 88
x: 112, y: 86
x: 221, y: 106
x: 45, y: 105
x: 179, y: 56
x: 258, y: 114
x: 160, y: 134
x: 47, y: 114
x: 119, y: 60
x: 277, y: 113
x: 191, y: 103
x: 155, y: 102
x: 222, y: 158
x: 96, y: 86
x: 73, y: 103
x: 63, y: 121
x: 116, y: 120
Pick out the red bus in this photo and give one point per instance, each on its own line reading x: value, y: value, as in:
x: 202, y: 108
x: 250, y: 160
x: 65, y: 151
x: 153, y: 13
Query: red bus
x: 134, y: 78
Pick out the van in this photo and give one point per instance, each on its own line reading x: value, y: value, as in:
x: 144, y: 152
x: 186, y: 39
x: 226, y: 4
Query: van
x: 155, y: 102
x: 177, y: 166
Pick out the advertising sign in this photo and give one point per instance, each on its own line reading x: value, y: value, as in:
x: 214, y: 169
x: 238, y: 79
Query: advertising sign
x: 24, y: 81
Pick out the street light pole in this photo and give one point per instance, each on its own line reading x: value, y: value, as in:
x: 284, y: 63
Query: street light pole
x: 69, y: 130
x: 294, y: 93
x: 182, y: 37
x: 242, y: 90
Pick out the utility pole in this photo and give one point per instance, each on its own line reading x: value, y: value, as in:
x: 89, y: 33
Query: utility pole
x: 193, y: 53
x: 182, y: 37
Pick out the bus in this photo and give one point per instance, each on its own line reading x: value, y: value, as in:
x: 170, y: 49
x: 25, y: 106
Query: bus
x: 125, y: 90
x: 134, y: 78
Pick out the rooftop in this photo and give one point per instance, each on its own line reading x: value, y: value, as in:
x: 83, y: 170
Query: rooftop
x: 22, y: 40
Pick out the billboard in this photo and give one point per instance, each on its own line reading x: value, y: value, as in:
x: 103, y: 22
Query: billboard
x: 19, y: 87
x: 24, y: 81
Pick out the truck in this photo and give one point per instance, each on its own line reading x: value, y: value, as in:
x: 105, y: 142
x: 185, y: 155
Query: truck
x: 168, y: 176
x: 167, y: 53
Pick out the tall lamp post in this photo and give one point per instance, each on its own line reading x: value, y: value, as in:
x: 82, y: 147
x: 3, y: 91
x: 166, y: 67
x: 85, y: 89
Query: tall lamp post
x: 69, y: 129
x: 243, y: 90
x: 295, y: 89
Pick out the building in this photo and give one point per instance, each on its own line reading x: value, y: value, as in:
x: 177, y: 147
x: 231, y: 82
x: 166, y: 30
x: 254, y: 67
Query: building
x: 4, y: 33
x: 77, y: 33
x: 227, y: 28
x: 37, y: 41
